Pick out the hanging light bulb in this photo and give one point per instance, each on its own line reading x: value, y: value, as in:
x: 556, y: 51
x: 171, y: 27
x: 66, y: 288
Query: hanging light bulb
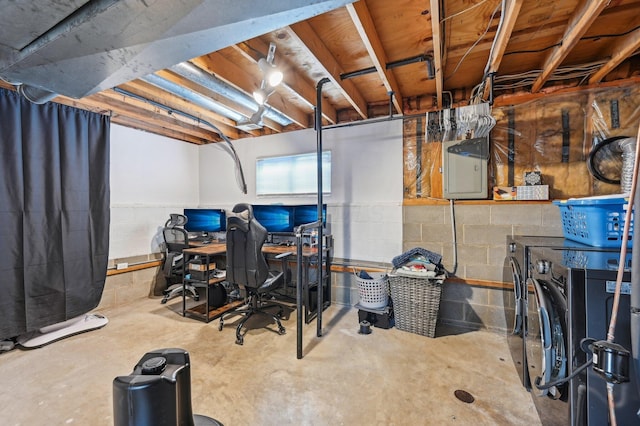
x: 261, y: 95
x: 271, y: 76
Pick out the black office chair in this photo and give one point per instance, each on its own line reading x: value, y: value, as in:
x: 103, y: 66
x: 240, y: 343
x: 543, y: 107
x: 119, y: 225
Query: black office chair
x: 247, y: 268
x: 176, y: 239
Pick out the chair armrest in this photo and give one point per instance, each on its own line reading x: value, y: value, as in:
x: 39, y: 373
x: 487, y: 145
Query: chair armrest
x: 283, y: 255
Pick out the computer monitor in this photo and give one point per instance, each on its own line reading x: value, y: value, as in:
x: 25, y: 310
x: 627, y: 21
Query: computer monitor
x: 275, y: 218
x: 205, y: 220
x: 308, y: 213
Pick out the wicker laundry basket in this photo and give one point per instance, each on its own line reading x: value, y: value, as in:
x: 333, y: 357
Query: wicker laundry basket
x: 416, y: 302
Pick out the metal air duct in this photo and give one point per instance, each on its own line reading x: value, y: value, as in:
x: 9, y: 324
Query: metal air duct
x: 77, y: 48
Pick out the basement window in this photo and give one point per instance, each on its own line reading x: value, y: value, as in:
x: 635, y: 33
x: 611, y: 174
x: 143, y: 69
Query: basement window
x: 292, y: 174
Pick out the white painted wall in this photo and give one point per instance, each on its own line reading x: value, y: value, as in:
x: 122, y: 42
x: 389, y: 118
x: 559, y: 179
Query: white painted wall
x: 365, y: 206
x: 152, y: 176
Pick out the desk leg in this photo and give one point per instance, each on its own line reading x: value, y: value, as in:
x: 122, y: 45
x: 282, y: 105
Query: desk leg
x: 299, y: 297
x: 184, y: 285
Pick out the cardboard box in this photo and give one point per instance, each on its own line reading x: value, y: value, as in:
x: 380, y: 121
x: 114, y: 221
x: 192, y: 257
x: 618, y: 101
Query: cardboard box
x: 198, y: 266
x: 504, y: 192
x: 521, y: 193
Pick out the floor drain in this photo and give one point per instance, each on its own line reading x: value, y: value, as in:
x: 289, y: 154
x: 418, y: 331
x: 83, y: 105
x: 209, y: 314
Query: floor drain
x: 464, y: 396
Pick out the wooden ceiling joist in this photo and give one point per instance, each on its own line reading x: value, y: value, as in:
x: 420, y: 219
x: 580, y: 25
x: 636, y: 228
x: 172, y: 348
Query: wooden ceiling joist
x: 620, y: 51
x: 577, y: 26
x: 292, y: 81
x: 315, y: 47
x: 502, y: 38
x: 175, y: 102
x: 361, y: 18
x: 436, y: 31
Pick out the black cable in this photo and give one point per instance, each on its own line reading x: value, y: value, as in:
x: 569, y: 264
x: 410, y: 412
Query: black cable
x: 594, y: 37
x: 591, y: 160
x: 565, y: 380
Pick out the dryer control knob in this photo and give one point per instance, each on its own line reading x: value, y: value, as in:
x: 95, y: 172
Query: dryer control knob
x: 542, y: 266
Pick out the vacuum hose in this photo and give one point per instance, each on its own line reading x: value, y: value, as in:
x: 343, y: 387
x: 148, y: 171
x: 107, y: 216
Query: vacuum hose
x: 618, y: 144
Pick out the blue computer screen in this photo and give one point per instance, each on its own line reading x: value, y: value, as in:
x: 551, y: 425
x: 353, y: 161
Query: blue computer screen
x: 274, y: 218
x: 205, y: 220
x: 307, y: 214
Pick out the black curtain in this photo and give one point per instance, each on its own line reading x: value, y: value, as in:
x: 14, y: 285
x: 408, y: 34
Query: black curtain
x: 54, y: 212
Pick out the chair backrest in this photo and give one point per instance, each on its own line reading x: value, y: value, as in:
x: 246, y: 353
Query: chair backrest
x: 175, y: 239
x: 246, y: 264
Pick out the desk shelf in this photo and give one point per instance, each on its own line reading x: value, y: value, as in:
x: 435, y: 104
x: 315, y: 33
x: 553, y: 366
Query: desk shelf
x: 205, y: 258
x: 199, y: 310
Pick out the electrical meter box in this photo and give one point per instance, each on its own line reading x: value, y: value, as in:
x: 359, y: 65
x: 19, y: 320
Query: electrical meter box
x: 464, y: 168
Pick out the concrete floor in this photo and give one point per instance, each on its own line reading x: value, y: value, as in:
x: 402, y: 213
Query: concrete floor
x: 389, y: 377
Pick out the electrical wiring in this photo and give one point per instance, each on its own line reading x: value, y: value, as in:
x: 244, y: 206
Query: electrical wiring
x: 462, y: 11
x: 593, y: 37
x: 524, y: 79
x: 503, y: 6
x: 474, y: 44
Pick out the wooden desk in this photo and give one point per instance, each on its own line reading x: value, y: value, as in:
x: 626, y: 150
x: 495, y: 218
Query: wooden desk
x: 208, y: 251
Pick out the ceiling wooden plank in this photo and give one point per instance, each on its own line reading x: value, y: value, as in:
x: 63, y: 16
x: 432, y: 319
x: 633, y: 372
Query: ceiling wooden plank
x: 305, y: 35
x: 502, y: 38
x: 621, y: 50
x: 579, y: 23
x: 292, y: 82
x: 437, y: 47
x: 501, y: 41
x: 140, y: 110
x: 365, y: 26
x: 148, y: 127
x: 170, y: 100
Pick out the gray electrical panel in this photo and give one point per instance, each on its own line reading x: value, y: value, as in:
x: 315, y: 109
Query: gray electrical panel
x: 464, y: 168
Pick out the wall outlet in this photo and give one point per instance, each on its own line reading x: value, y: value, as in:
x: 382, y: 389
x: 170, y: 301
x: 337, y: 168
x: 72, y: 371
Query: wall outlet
x: 123, y: 265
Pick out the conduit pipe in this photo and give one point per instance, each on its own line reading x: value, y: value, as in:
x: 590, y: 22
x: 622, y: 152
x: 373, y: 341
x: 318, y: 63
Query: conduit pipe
x: 203, y: 78
x: 191, y: 96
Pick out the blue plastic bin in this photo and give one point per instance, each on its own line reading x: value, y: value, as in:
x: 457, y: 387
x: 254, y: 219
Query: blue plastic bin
x: 597, y: 222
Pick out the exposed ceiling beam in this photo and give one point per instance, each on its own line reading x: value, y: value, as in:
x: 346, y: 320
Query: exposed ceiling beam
x: 503, y: 37
x: 129, y: 115
x: 620, y: 51
x: 437, y: 47
x: 154, y: 94
x: 309, y: 40
x: 359, y: 13
x: 140, y: 110
x: 577, y: 26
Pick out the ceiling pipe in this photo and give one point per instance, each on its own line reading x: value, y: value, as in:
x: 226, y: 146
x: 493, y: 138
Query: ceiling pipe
x: 191, y: 96
x: 234, y: 154
x: 395, y: 64
x: 35, y: 94
x: 204, y: 79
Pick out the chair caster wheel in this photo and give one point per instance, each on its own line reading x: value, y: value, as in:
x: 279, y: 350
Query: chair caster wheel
x: 240, y: 341
x: 282, y: 330
x: 220, y: 327
x: 163, y: 301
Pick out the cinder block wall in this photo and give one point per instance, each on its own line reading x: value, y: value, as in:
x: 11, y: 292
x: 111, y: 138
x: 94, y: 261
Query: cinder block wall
x: 481, y: 233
